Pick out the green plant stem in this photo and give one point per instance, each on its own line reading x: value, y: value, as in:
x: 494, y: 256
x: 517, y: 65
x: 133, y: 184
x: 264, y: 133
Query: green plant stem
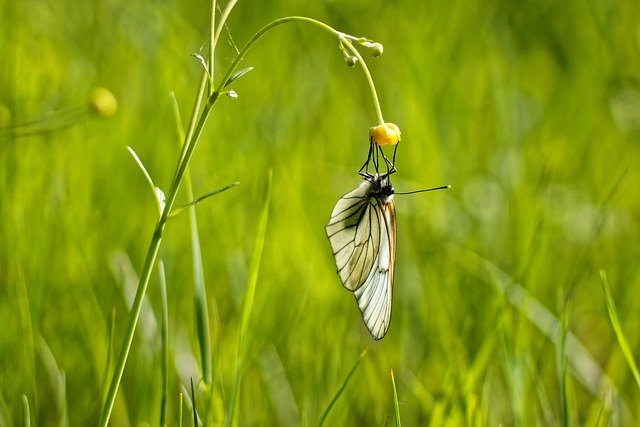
x: 365, y: 69
x: 212, y: 44
x: 164, y: 371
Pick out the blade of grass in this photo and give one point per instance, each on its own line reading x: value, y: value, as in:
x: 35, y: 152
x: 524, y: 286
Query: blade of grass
x: 395, y: 400
x: 5, y: 416
x: 56, y: 379
x: 110, y: 352
x: 343, y: 386
x: 26, y: 413
x: 252, y: 280
x: 279, y: 387
x: 27, y: 333
x: 200, y: 293
x: 193, y: 400
x: 202, y: 318
x: 546, y: 411
x: 563, y: 375
x: 617, y: 327
x: 164, y: 347
x: 181, y: 404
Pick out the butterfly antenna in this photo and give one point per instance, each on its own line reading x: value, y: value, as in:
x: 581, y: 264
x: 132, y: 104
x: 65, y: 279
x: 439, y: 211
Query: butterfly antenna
x: 444, y: 187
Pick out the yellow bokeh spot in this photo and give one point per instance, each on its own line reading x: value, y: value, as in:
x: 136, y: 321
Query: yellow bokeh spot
x: 386, y: 134
x: 103, y: 102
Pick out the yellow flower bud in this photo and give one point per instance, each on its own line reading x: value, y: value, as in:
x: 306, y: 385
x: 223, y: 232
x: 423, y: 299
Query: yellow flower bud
x: 386, y: 134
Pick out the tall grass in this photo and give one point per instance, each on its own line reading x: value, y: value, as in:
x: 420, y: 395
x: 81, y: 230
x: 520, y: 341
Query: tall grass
x: 501, y: 314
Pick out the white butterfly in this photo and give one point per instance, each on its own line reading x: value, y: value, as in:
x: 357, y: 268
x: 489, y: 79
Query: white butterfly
x: 362, y: 232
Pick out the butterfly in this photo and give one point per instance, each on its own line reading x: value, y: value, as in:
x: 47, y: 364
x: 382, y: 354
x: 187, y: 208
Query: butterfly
x: 362, y: 233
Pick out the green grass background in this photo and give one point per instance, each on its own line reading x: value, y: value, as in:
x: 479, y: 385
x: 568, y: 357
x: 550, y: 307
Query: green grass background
x: 530, y: 110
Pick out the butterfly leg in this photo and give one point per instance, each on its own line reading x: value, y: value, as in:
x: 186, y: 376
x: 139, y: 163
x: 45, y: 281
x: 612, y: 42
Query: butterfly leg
x: 391, y: 168
x: 365, y: 166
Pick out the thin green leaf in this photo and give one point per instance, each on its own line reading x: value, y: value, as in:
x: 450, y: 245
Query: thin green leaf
x: 204, y: 66
x: 395, y: 400
x: 563, y: 374
x: 57, y: 381
x: 158, y: 194
x: 110, y: 352
x: 5, y: 415
x: 201, y: 198
x: 252, y: 280
x: 344, y: 385
x: 193, y: 400
x: 180, y: 415
x: 237, y: 75
x: 26, y: 412
x: 617, y: 327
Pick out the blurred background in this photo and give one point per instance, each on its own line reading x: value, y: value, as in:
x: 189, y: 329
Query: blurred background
x: 529, y: 110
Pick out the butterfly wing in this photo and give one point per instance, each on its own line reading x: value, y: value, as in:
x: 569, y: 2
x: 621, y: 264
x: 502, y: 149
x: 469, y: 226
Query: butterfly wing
x: 355, y: 244
x: 362, y: 232
x: 375, y: 295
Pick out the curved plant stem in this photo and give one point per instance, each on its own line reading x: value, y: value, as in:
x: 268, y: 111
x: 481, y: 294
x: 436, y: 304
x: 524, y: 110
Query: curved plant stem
x: 372, y: 86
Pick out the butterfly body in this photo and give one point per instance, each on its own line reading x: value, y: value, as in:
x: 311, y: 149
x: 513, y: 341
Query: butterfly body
x: 362, y: 233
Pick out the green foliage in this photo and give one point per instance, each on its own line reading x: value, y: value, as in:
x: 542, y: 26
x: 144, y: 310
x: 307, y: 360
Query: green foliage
x: 619, y: 330
x: 530, y: 110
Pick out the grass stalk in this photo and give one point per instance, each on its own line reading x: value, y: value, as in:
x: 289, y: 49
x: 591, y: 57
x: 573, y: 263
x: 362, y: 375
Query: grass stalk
x: 396, y: 405
x: 252, y: 280
x: 342, y: 387
x: 562, y: 365
x: 26, y: 412
x: 164, y: 370
x: 618, y: 329
x: 193, y: 405
x: 180, y: 414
